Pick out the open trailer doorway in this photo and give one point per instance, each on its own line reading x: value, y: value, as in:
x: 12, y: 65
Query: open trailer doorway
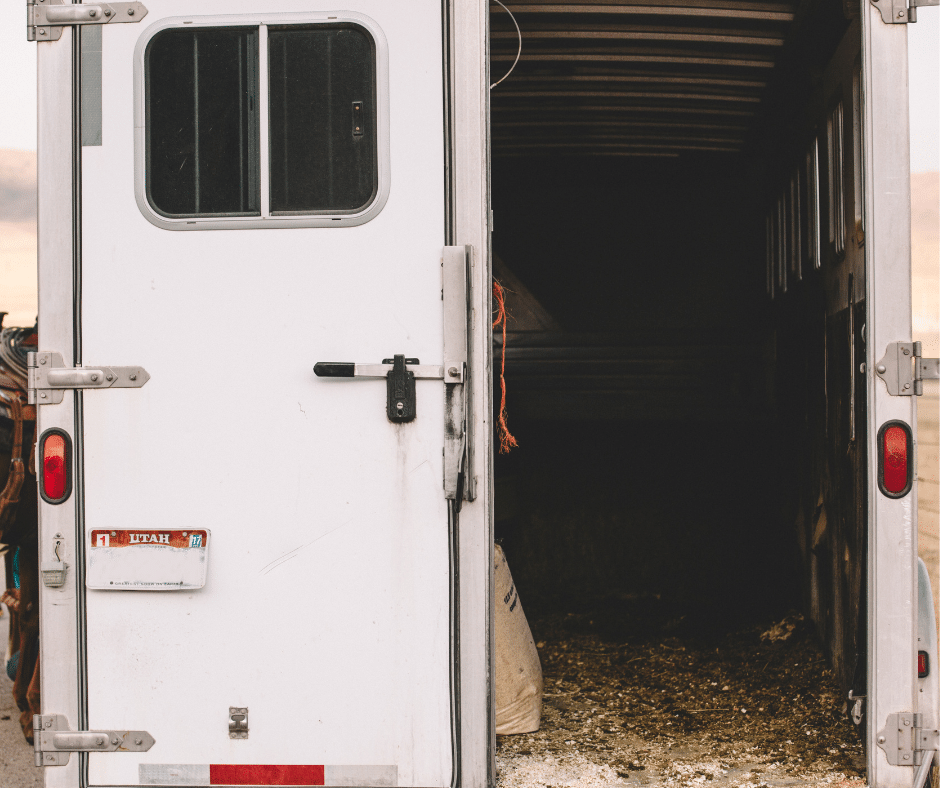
x: 679, y: 230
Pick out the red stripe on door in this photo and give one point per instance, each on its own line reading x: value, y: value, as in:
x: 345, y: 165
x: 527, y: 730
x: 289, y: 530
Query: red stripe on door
x: 244, y: 774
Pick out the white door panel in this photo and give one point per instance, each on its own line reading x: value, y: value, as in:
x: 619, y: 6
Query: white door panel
x: 326, y: 609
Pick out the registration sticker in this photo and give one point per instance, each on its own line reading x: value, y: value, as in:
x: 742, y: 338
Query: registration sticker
x: 147, y: 560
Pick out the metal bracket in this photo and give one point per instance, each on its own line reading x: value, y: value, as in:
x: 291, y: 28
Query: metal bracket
x: 46, y: 18
x: 896, y: 12
x: 48, y: 378
x: 903, y: 369
x: 237, y: 722
x: 54, y: 742
x: 905, y: 742
x: 456, y: 263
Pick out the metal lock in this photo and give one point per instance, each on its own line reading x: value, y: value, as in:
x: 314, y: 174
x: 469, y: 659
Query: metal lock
x: 402, y: 399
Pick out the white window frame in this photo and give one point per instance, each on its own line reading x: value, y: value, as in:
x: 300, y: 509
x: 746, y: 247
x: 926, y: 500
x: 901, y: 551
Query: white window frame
x: 266, y: 219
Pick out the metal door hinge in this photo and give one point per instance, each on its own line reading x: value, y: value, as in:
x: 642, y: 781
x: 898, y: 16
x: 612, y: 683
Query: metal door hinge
x: 897, y: 12
x: 905, y: 742
x: 46, y: 18
x: 54, y: 742
x: 48, y: 378
x: 459, y: 481
x: 904, y: 370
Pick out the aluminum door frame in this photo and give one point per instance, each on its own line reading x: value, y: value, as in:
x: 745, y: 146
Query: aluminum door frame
x: 468, y: 119
x: 59, y: 266
x: 892, y: 534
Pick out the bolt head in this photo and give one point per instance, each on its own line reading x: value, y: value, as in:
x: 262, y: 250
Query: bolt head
x: 42, y: 395
x: 138, y: 742
x: 99, y: 741
x: 92, y: 12
x: 42, y: 360
x: 107, y: 12
x: 881, y: 369
x: 134, y: 376
x: 130, y: 11
x: 42, y: 31
x: 94, y: 378
x: 114, y: 740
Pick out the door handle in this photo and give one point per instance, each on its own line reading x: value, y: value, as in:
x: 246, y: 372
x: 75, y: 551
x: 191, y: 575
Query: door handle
x: 349, y: 369
x: 400, y: 374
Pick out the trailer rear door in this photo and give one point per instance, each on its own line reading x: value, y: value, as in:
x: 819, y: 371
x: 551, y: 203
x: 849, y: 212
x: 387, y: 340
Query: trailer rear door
x: 261, y: 564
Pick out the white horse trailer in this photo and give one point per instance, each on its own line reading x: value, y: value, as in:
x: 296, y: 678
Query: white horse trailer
x: 262, y: 565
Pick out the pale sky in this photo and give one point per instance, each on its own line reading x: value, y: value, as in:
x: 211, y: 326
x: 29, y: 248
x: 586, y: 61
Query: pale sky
x: 18, y: 84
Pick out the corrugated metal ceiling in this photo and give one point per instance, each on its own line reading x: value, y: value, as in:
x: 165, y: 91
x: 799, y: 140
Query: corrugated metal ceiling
x: 651, y: 79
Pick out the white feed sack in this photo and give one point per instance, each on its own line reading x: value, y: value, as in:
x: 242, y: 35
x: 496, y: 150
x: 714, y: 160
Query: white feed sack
x: 518, y: 670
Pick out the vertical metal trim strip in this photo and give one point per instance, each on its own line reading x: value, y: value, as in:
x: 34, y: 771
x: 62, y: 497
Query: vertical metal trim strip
x: 264, y: 118
x: 78, y: 441
x: 470, y: 185
x: 892, y: 535
x: 58, y: 143
x: 91, y: 85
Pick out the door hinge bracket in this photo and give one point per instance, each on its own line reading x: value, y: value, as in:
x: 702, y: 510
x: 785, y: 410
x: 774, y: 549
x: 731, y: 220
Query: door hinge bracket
x: 904, y: 369
x: 459, y: 481
x: 904, y: 740
x: 48, y: 378
x: 54, y: 741
x: 897, y: 12
x: 46, y: 18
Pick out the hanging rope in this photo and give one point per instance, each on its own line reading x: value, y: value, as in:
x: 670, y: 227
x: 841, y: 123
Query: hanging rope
x: 506, y: 441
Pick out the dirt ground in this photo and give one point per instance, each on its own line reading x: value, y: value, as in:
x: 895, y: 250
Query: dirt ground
x: 636, y: 699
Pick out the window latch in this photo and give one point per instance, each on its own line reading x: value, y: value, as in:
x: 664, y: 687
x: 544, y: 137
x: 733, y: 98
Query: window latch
x: 46, y: 18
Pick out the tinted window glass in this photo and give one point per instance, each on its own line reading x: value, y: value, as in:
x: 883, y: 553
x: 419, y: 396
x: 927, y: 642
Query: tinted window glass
x: 322, y: 118
x: 202, y: 122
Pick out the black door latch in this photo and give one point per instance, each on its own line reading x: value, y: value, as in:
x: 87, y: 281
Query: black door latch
x: 402, y: 401
x: 399, y: 373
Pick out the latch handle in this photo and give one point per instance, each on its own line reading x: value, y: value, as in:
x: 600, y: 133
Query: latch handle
x: 400, y: 374
x: 334, y: 369
x: 349, y: 369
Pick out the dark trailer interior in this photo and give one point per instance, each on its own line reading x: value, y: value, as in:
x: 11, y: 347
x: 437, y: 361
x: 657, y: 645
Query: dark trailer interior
x: 678, y: 229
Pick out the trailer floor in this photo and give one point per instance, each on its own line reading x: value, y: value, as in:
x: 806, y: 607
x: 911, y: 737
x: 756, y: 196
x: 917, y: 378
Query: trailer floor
x: 628, y: 702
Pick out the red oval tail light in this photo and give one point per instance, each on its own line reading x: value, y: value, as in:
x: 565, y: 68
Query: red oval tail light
x: 56, y: 453
x: 895, y: 460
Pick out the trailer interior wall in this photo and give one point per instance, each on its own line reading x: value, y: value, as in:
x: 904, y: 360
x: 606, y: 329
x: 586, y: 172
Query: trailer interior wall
x: 679, y: 189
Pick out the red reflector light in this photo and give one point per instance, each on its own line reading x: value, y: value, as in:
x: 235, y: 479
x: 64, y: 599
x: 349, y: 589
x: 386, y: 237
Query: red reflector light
x: 923, y: 665
x: 56, y: 470
x: 895, y: 460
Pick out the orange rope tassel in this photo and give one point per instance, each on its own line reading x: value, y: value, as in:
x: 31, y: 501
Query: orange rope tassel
x: 506, y: 440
